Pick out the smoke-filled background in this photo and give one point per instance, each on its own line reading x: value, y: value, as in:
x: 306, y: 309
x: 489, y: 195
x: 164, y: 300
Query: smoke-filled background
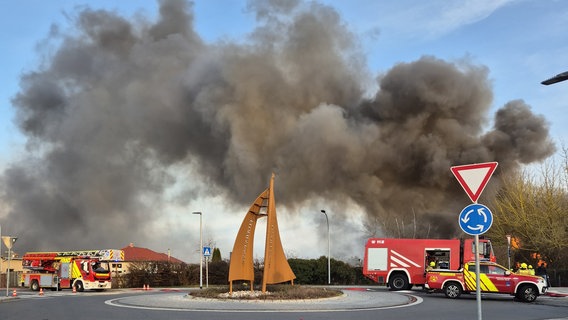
x: 126, y: 118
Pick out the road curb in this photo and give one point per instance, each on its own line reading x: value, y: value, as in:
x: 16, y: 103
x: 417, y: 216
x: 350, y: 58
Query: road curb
x: 556, y: 294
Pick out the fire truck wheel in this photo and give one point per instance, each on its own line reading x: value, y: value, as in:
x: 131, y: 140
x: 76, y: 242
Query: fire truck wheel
x: 527, y: 293
x: 34, y: 286
x: 398, y: 282
x: 79, y: 286
x: 452, y: 290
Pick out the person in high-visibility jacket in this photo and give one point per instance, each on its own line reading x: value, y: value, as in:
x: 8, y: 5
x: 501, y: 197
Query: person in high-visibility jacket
x: 523, y: 269
x: 531, y: 270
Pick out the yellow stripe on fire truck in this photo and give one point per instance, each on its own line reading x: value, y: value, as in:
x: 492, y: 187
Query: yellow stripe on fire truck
x: 485, y: 284
x: 116, y: 255
x: 75, y: 272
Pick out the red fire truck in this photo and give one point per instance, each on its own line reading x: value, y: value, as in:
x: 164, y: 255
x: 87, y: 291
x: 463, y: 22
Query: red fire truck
x: 70, y: 269
x: 493, y: 278
x: 402, y: 263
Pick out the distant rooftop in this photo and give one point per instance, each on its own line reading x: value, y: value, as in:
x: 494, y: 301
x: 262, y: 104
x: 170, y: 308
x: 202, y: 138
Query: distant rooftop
x: 132, y: 253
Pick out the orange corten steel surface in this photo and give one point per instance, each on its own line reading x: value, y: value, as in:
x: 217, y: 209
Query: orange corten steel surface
x: 276, y: 267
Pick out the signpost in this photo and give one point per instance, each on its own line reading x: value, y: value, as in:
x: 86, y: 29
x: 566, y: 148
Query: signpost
x: 474, y: 177
x: 8, y: 242
x: 475, y: 219
x: 206, y: 254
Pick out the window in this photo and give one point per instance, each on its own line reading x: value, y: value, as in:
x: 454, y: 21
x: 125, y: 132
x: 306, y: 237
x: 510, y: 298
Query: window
x: 496, y: 270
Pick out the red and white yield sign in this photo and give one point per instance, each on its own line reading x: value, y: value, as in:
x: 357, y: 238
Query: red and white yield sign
x: 474, y: 177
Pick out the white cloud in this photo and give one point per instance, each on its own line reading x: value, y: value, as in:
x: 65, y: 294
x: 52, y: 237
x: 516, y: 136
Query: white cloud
x: 455, y: 14
x: 423, y: 19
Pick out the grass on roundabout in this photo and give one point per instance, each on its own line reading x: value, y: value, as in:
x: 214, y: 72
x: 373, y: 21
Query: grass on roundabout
x: 273, y: 292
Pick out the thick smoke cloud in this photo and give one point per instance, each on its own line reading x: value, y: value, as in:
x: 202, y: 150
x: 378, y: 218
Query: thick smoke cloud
x: 120, y: 105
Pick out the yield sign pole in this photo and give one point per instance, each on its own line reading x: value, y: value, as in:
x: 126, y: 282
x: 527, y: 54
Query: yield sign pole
x: 474, y: 177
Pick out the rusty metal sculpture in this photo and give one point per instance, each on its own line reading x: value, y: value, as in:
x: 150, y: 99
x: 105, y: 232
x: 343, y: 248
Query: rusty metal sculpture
x: 276, y: 267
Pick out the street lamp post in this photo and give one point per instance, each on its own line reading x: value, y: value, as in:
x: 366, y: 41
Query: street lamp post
x: 328, y: 249
x: 200, y: 249
x: 557, y: 78
x: 509, y: 250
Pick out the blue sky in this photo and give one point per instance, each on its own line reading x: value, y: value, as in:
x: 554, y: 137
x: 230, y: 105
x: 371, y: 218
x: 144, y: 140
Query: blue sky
x: 521, y: 43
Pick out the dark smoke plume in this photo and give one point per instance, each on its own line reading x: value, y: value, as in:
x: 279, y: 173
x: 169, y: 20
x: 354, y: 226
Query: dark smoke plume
x: 120, y: 107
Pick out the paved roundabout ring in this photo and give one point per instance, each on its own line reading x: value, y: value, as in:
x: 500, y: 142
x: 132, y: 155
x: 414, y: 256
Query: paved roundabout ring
x: 351, y: 300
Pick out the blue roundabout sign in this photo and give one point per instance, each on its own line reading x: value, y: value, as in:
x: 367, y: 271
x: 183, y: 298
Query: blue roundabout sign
x: 475, y: 219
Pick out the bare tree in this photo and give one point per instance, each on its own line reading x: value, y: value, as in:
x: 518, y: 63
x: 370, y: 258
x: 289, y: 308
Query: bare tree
x: 534, y: 212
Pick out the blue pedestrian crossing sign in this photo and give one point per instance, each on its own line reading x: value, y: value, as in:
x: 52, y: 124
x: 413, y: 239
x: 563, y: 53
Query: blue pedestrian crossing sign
x: 475, y: 219
x: 206, y: 251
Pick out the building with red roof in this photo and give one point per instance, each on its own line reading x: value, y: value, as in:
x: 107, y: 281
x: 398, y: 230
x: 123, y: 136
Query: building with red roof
x: 132, y: 253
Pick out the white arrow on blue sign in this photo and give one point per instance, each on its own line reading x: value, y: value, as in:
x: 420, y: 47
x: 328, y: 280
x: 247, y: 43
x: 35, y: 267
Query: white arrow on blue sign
x: 206, y: 251
x: 475, y: 219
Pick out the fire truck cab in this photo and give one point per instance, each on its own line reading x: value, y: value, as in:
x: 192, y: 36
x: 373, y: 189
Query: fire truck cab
x: 80, y: 270
x: 402, y: 263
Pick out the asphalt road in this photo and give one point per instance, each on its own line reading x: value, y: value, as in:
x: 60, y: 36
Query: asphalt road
x: 358, y: 303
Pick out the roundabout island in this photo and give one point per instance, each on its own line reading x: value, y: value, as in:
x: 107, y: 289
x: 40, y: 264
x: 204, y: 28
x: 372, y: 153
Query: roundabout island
x: 351, y: 299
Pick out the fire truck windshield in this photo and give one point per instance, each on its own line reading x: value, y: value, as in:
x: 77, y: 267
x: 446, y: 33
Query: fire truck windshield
x: 100, y: 267
x: 485, y: 250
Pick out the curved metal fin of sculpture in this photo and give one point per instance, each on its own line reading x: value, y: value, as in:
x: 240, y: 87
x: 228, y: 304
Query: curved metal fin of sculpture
x: 276, y: 267
x: 241, y: 266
